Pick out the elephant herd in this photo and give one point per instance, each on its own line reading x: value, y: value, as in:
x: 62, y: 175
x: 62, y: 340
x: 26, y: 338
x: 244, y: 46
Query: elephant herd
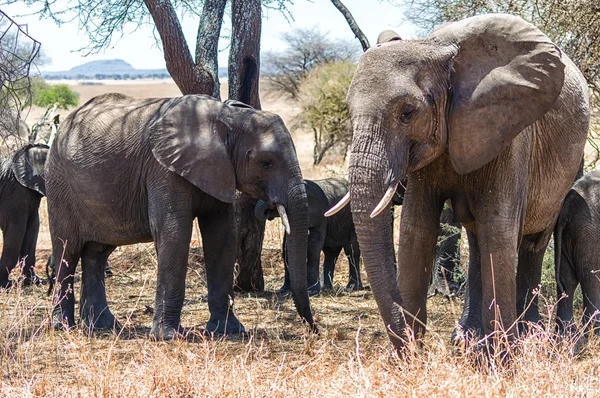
x: 485, y: 115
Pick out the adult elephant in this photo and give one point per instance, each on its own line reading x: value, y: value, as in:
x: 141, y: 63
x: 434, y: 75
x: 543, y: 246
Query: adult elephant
x: 327, y: 234
x: 21, y: 190
x: 124, y: 170
x: 486, y: 112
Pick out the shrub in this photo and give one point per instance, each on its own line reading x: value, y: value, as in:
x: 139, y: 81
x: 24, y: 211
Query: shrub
x: 305, y: 49
x: 45, y: 95
x: 322, y: 97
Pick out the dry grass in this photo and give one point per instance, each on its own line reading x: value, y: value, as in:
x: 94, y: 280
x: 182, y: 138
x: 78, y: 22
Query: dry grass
x: 350, y: 357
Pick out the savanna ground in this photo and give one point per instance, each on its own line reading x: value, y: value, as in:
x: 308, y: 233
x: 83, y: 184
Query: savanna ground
x: 350, y: 357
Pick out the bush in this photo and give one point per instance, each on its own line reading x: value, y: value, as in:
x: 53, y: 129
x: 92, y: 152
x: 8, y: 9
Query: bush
x: 45, y: 95
x: 322, y: 97
x: 305, y: 50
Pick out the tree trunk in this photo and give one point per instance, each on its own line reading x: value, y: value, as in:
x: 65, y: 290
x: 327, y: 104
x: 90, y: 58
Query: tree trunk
x: 244, y: 56
x: 244, y: 69
x: 249, y: 245
x: 191, y: 78
x: 207, y: 41
x: 364, y: 42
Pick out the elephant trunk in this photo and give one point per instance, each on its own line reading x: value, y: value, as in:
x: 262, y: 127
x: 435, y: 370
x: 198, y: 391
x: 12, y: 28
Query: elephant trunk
x: 296, y: 246
x: 371, y: 173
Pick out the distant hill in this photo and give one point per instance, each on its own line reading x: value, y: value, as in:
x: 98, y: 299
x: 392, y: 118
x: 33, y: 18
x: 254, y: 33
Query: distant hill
x: 111, y: 69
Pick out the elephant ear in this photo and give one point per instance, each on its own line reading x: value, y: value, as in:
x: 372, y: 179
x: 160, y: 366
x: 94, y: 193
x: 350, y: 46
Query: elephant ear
x: 507, y: 74
x: 189, y: 140
x: 28, y: 167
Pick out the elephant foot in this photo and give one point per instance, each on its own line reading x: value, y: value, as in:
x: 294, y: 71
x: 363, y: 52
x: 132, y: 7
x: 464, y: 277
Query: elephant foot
x: 165, y: 332
x: 61, y: 320
x: 228, y: 325
x: 354, y: 286
x: 6, y: 283
x: 32, y: 280
x: 463, y: 335
x: 284, y: 289
x: 314, y: 288
x: 104, y: 321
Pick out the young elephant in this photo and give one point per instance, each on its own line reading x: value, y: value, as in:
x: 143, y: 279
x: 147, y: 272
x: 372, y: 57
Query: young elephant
x: 576, y: 239
x: 124, y: 170
x: 21, y: 189
x: 327, y: 234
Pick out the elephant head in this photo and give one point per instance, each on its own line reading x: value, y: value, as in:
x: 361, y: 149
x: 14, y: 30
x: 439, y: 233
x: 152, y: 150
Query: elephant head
x: 28, y: 167
x: 467, y: 90
x: 221, y: 147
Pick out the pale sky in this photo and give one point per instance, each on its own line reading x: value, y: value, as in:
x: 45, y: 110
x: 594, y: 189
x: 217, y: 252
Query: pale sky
x: 139, y: 48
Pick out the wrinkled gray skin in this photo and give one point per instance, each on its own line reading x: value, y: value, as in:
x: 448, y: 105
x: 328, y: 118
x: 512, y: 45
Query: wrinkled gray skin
x: 21, y: 189
x: 327, y: 234
x: 124, y: 170
x: 576, y: 238
x: 488, y: 113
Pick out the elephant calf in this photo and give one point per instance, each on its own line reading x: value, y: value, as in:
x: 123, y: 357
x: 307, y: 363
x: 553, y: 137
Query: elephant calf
x: 576, y: 238
x: 21, y: 189
x: 327, y: 234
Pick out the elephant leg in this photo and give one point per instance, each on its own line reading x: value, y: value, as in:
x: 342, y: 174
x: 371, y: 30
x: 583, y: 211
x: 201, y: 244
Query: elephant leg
x: 28, y: 250
x: 93, y: 308
x: 566, y: 284
x: 171, y: 234
x: 331, y: 255
x: 470, y: 323
x: 316, y: 239
x: 529, y: 275
x: 590, y: 289
x: 13, y: 235
x: 352, y: 252
x: 416, y: 251
x: 66, y: 254
x: 498, y: 247
x: 218, y: 241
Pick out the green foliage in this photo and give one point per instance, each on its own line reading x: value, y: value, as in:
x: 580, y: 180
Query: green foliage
x: 45, y: 95
x: 322, y: 98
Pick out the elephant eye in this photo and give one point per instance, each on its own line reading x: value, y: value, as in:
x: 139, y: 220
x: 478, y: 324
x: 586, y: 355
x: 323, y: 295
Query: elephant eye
x: 266, y: 164
x: 407, y: 114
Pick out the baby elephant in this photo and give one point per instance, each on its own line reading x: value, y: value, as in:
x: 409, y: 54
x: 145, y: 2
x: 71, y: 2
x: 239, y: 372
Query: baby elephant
x: 327, y: 234
x: 21, y: 189
x: 576, y: 241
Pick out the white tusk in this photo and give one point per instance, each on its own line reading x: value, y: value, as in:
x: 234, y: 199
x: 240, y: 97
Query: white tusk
x: 284, y: 219
x: 339, y: 206
x: 389, y: 194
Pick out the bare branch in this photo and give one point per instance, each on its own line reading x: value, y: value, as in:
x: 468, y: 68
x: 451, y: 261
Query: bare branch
x: 364, y: 42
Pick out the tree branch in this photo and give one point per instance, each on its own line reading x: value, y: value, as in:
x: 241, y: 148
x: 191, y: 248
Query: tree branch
x: 364, y: 42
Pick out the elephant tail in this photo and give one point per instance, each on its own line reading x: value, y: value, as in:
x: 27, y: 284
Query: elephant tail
x: 51, y: 274
x: 561, y: 223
